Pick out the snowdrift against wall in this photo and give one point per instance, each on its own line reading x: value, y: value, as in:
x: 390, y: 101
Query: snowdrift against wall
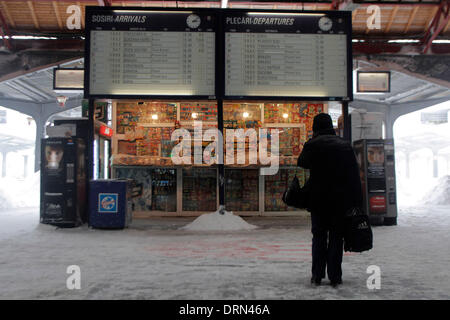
x: 440, y: 194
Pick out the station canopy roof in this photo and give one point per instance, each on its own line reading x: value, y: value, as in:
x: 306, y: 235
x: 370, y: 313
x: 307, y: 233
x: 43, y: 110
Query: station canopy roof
x: 410, y: 19
x: 398, y: 18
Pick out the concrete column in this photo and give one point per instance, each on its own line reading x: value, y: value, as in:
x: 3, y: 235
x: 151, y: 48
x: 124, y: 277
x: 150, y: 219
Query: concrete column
x: 25, y: 165
x: 4, y: 156
x: 407, y: 164
x: 435, y: 164
x: 40, y: 131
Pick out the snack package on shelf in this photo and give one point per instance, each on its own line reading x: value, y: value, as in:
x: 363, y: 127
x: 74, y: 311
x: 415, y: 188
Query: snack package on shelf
x: 126, y: 147
x: 131, y: 114
x: 198, y: 111
x: 199, y: 189
x: 241, y: 189
x: 281, y: 113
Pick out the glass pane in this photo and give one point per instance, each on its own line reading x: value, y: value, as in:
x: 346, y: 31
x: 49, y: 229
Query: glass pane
x: 199, y: 189
x: 159, y: 188
x: 275, y: 185
x: 241, y: 189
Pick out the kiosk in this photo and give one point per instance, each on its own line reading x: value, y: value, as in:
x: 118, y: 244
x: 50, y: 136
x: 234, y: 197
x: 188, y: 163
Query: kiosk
x: 168, y: 69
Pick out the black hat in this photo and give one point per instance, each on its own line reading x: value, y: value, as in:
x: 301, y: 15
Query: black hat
x: 322, y: 122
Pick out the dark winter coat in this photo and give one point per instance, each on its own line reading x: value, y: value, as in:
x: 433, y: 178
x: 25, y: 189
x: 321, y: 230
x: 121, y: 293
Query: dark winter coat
x: 334, y: 174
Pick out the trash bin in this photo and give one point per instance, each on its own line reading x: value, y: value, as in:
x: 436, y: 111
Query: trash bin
x: 110, y: 203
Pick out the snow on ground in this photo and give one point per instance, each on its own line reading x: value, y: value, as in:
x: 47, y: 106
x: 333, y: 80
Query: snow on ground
x: 154, y: 259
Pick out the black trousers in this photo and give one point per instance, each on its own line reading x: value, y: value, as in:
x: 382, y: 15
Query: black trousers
x: 327, y: 246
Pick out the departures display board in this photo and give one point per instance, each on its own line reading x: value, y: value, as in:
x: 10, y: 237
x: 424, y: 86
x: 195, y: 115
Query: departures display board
x: 218, y: 54
x: 136, y: 53
x: 282, y: 54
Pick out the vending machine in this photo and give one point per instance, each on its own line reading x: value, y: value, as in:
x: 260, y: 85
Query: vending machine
x: 377, y: 172
x: 63, y: 182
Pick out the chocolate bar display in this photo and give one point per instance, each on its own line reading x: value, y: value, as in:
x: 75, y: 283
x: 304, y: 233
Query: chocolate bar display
x: 241, y: 189
x: 275, y: 185
x: 199, y: 189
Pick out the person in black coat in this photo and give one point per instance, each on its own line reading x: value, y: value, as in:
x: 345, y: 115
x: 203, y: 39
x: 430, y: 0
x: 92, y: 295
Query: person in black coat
x: 335, y: 187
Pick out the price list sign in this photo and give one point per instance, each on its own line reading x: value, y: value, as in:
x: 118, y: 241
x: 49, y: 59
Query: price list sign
x: 288, y: 55
x: 150, y: 53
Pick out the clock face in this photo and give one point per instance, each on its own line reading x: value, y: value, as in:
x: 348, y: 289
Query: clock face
x: 193, y: 21
x: 325, y: 23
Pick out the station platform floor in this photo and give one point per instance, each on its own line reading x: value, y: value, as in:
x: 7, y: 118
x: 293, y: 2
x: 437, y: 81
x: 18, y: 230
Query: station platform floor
x: 155, y: 259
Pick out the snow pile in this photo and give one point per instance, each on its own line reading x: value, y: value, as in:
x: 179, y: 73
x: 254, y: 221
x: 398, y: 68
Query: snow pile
x: 440, y: 194
x: 20, y: 193
x: 218, y: 222
x: 4, y: 203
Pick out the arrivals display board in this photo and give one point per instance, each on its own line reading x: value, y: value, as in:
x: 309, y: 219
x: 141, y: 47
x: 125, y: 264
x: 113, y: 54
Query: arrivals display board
x: 218, y: 54
x: 288, y: 55
x: 149, y: 53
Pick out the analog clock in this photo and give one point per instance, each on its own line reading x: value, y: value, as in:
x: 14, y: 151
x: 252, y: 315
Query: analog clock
x: 193, y: 21
x: 325, y: 24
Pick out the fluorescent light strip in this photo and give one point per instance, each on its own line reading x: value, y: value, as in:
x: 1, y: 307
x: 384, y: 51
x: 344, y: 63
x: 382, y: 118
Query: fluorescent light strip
x: 403, y: 41
x: 29, y: 38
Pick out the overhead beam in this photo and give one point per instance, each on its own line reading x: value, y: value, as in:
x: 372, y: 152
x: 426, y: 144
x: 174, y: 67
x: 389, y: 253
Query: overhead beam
x: 82, y: 18
x: 414, y: 66
x: 8, y: 14
x: 411, y: 18
x: 391, y: 19
x: 409, y: 93
x: 33, y: 15
x: 58, y: 16
x: 28, y: 94
x: 4, y: 31
x: 30, y: 89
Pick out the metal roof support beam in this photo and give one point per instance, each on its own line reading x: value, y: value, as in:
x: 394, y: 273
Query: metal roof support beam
x: 436, y: 26
x: 403, y: 95
x: 28, y: 94
x: 4, y: 30
x: 23, y: 84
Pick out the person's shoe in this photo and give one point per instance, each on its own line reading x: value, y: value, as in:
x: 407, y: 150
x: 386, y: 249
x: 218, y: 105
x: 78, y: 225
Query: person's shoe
x: 335, y: 283
x: 316, y: 281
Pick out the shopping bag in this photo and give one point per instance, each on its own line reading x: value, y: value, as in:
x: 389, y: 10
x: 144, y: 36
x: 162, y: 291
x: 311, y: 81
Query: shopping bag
x: 358, y: 236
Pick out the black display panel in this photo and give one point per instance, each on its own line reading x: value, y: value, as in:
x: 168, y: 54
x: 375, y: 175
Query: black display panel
x: 289, y: 55
x: 136, y: 52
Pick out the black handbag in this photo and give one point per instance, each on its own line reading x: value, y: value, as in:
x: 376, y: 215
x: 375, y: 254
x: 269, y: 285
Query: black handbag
x: 296, y: 196
x: 358, y: 235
